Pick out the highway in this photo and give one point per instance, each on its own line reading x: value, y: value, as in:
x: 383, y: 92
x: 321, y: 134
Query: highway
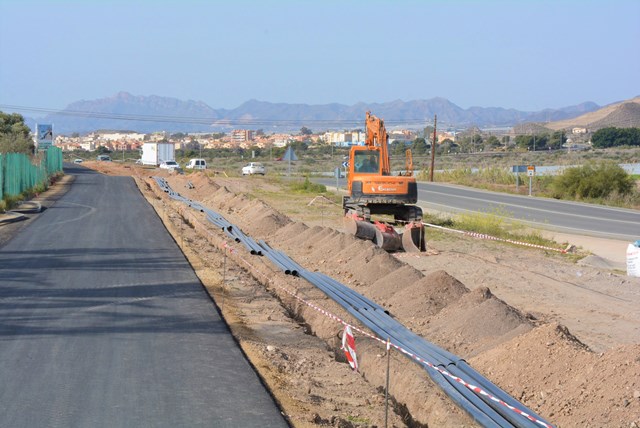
x: 563, y: 216
x: 105, y: 324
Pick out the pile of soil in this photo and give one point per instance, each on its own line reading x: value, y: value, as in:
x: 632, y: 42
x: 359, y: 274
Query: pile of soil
x: 539, y: 363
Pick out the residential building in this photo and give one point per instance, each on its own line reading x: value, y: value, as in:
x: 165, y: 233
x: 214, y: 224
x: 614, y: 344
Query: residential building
x: 241, y: 135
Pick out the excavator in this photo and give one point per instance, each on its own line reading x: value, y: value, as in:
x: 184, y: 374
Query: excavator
x: 374, y: 191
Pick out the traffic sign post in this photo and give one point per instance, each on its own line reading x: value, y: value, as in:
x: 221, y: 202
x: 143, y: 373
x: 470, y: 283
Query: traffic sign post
x: 531, y: 171
x: 516, y: 170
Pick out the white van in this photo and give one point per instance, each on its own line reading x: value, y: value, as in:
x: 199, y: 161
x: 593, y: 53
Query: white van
x: 197, y: 164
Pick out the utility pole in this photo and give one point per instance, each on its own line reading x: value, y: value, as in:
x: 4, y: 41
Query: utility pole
x: 433, y: 148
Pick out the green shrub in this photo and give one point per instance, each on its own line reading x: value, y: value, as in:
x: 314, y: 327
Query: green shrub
x: 592, y: 181
x: 308, y: 187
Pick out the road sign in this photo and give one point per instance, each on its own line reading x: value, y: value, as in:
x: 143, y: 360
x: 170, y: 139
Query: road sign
x: 519, y: 168
x: 345, y: 164
x: 531, y: 170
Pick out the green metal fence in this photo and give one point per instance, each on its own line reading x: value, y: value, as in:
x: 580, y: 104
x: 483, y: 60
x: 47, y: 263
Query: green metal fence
x: 19, y: 173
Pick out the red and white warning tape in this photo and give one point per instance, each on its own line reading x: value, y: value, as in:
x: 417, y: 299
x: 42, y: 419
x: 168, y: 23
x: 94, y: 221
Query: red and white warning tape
x: 387, y: 343
x: 494, y: 238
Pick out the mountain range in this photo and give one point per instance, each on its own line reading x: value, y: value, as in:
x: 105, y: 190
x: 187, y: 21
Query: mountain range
x: 146, y: 114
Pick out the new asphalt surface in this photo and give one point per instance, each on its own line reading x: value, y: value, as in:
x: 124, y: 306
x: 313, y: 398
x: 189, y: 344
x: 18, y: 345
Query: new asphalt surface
x: 103, y: 323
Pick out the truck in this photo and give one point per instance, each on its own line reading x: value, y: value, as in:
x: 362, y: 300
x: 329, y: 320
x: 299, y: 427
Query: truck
x: 156, y: 153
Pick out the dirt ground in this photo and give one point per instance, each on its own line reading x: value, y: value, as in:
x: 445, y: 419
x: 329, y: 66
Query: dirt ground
x: 562, y: 337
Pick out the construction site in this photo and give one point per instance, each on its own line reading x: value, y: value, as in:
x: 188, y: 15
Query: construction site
x: 557, y: 336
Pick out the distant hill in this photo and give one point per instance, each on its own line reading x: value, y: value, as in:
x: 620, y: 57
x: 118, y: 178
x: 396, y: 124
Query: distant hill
x: 155, y: 113
x: 136, y: 113
x: 625, y: 114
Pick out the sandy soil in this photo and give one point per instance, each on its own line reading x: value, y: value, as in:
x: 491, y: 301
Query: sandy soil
x: 563, y: 338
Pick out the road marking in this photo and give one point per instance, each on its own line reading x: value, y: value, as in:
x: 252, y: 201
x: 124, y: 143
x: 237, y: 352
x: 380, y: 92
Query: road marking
x: 531, y: 209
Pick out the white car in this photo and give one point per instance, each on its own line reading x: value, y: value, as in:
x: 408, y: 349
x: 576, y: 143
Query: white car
x: 254, y: 168
x: 77, y: 160
x: 170, y: 165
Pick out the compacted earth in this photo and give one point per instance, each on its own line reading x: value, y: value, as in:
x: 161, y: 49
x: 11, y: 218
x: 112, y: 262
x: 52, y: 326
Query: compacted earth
x: 560, y: 336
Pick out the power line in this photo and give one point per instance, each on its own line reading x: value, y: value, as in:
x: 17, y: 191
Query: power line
x: 212, y: 121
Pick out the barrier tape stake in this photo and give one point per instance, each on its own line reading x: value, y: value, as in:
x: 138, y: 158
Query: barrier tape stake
x: 224, y: 278
x: 386, y: 389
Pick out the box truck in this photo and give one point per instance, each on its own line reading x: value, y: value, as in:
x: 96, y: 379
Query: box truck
x: 156, y: 153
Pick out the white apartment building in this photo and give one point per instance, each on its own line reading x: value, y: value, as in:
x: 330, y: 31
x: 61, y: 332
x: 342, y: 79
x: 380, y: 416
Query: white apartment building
x: 121, y: 136
x: 348, y: 138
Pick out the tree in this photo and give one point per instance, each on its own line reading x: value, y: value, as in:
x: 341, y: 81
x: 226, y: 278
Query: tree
x: 613, y: 137
x: 491, y: 143
x: 447, y: 146
x: 305, y: 131
x: 532, y: 142
x: 419, y: 146
x: 192, y: 145
x: 398, y: 148
x: 556, y: 140
x: 476, y: 142
x: 15, y: 135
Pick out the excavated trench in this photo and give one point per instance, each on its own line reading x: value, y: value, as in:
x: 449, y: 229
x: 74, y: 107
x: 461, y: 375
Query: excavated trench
x: 473, y: 324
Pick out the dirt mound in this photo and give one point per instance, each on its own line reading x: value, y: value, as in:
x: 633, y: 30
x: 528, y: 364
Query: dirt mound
x: 474, y: 323
x: 550, y: 371
x: 428, y: 296
x: 262, y: 220
x: 393, y: 282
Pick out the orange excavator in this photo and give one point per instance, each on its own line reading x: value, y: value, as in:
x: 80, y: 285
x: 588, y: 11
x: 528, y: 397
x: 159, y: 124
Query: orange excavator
x: 373, y: 190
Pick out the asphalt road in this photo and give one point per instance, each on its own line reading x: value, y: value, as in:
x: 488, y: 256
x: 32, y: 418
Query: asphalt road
x: 569, y: 217
x: 103, y: 323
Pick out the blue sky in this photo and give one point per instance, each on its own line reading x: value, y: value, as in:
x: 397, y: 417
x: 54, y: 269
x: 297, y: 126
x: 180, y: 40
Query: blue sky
x: 520, y: 54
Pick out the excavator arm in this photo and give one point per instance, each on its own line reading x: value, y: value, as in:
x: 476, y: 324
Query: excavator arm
x: 377, y: 137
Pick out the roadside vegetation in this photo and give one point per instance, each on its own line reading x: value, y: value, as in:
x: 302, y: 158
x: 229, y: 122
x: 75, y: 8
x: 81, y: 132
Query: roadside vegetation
x: 23, y: 172
x: 497, y: 224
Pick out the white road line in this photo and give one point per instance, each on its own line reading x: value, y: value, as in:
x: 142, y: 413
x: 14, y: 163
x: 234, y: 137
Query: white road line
x: 536, y: 209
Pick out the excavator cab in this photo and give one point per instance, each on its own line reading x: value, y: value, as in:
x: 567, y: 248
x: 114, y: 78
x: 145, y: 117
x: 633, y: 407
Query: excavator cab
x: 366, y: 162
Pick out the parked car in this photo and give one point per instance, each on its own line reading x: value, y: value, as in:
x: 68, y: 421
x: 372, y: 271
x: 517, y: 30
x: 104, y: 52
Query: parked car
x: 104, y: 158
x: 197, y: 164
x: 172, y: 165
x: 254, y: 168
x: 77, y: 160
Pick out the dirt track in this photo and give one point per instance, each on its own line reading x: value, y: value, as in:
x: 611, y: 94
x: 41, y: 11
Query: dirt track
x: 561, y: 338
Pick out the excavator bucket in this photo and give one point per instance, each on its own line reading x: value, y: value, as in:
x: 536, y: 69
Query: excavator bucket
x: 413, y: 238
x: 388, y: 240
x: 382, y: 235
x: 359, y: 228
